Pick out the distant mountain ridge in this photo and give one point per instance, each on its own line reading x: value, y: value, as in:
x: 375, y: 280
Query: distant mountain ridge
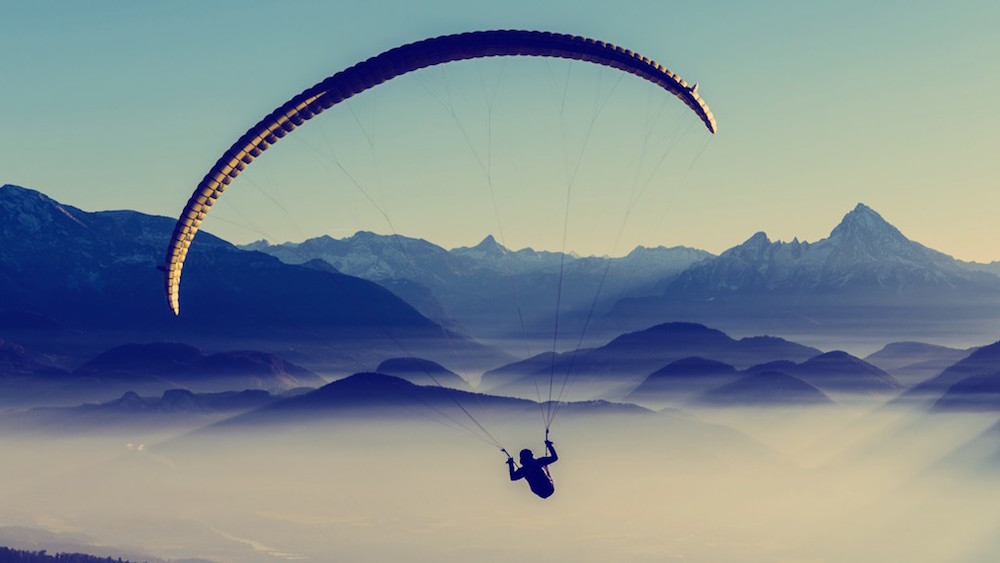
x: 900, y: 355
x: 863, y: 251
x: 85, y: 281
x: 487, y: 289
x: 865, y: 277
x: 74, y: 283
x: 866, y: 274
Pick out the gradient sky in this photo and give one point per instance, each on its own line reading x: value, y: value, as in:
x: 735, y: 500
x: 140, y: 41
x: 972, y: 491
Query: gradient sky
x: 109, y: 105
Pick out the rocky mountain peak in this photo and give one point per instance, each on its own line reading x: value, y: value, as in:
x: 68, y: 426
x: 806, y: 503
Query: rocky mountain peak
x: 488, y: 249
x: 28, y: 211
x: 489, y: 245
x: 259, y: 245
x: 10, y: 192
x: 754, y: 246
x: 863, y: 253
x: 864, y: 223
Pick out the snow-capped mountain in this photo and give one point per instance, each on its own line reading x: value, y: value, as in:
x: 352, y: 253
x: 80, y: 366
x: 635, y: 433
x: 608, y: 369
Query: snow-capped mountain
x: 865, y: 276
x: 863, y: 252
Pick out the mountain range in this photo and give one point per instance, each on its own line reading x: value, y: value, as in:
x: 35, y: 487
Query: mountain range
x: 75, y: 283
x: 87, y: 273
x: 488, y: 290
x: 914, y: 362
x: 866, y: 278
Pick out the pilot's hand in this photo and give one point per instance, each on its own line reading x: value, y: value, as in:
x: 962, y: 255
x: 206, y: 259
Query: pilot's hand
x: 548, y: 443
x: 510, y: 461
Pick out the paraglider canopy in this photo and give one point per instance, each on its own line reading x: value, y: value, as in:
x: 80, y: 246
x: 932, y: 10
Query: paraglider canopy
x: 383, y: 67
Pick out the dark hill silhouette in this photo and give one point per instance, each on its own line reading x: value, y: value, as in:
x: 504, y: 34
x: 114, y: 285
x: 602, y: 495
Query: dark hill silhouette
x: 839, y: 371
x: 130, y: 360
x: 771, y: 383
x: 682, y: 379
x: 692, y: 339
x: 751, y: 349
x: 369, y: 389
x: 18, y: 319
x: 383, y: 397
x: 914, y: 362
x: 783, y: 366
x: 628, y: 359
x: 981, y: 362
x: 512, y: 372
x: 764, y: 388
x: 896, y: 355
x: 979, y: 393
x: 16, y: 363
x: 29, y: 379
x: 777, y: 382
x: 169, y: 364
x: 677, y: 334
x: 423, y: 372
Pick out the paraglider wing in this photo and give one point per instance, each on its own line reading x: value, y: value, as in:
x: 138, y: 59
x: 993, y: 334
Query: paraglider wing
x: 386, y: 66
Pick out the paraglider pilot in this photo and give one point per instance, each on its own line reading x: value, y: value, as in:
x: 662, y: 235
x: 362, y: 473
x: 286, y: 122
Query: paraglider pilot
x: 534, y: 471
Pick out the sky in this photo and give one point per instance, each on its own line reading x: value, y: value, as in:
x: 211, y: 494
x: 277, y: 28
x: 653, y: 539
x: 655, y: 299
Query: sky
x: 820, y: 105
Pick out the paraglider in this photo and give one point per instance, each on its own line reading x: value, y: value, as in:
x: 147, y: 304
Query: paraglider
x: 383, y: 67
x: 535, y: 471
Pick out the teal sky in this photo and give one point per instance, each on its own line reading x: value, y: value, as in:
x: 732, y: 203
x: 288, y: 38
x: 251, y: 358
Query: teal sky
x: 109, y: 105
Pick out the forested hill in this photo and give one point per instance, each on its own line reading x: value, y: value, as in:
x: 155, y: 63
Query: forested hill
x: 8, y: 555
